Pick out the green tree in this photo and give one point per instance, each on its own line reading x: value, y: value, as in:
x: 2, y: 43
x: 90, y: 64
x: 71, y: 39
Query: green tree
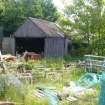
x: 49, y: 10
x: 86, y: 18
x: 31, y: 8
x: 2, y: 11
x: 14, y: 12
x: 10, y: 16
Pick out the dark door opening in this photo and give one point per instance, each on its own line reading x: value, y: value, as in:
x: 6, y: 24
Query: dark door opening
x: 30, y: 44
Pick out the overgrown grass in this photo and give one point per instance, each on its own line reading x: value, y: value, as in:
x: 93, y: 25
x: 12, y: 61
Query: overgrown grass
x: 73, y: 58
x: 25, y: 94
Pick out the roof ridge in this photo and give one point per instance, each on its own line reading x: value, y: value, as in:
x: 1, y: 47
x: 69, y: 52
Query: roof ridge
x: 30, y: 18
x: 47, y: 27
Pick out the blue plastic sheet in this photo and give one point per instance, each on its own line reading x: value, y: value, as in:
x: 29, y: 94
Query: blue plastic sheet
x: 53, y: 99
x: 50, y: 95
x: 88, y: 80
x: 102, y: 92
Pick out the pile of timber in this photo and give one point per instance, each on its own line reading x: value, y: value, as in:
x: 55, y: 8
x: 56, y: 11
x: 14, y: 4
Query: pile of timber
x: 31, y: 56
x: 7, y: 103
x: 8, y: 57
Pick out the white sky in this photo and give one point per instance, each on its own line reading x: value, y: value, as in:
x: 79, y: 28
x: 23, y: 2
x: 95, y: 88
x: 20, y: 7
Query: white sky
x: 60, y: 4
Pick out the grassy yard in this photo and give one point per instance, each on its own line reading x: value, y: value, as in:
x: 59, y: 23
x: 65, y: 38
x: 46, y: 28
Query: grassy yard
x: 48, y: 73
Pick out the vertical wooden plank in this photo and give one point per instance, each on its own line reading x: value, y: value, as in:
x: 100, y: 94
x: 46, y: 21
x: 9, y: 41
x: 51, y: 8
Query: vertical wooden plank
x: 54, y: 47
x: 1, y: 36
x: 67, y: 42
x: 8, y: 46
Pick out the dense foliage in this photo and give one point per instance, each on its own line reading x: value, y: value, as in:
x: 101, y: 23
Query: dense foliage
x: 14, y: 12
x: 84, y: 23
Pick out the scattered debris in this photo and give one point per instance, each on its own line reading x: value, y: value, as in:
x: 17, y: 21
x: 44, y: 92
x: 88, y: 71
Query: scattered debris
x: 49, y: 94
x: 38, y: 93
x: 11, y: 79
x: 71, y: 99
x: 27, y: 77
x: 31, y: 56
x: 8, y: 57
x: 6, y: 103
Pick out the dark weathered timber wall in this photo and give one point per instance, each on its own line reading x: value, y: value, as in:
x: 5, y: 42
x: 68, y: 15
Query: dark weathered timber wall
x: 29, y: 29
x: 8, y: 46
x: 67, y: 42
x: 55, y: 43
x: 1, y: 36
x: 54, y: 47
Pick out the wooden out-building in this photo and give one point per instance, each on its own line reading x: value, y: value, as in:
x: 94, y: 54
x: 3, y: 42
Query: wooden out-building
x: 40, y: 36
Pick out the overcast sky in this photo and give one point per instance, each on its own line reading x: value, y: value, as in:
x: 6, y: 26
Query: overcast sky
x: 60, y: 5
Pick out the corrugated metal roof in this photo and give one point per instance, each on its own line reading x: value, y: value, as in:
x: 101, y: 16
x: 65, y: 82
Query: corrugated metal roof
x: 50, y: 28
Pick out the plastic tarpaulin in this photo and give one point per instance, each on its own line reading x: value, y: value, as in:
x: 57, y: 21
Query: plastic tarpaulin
x: 88, y: 80
x: 50, y: 95
x: 102, y: 92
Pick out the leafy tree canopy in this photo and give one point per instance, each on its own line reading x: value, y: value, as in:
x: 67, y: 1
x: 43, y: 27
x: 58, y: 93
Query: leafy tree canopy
x: 85, y: 21
x: 14, y: 12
